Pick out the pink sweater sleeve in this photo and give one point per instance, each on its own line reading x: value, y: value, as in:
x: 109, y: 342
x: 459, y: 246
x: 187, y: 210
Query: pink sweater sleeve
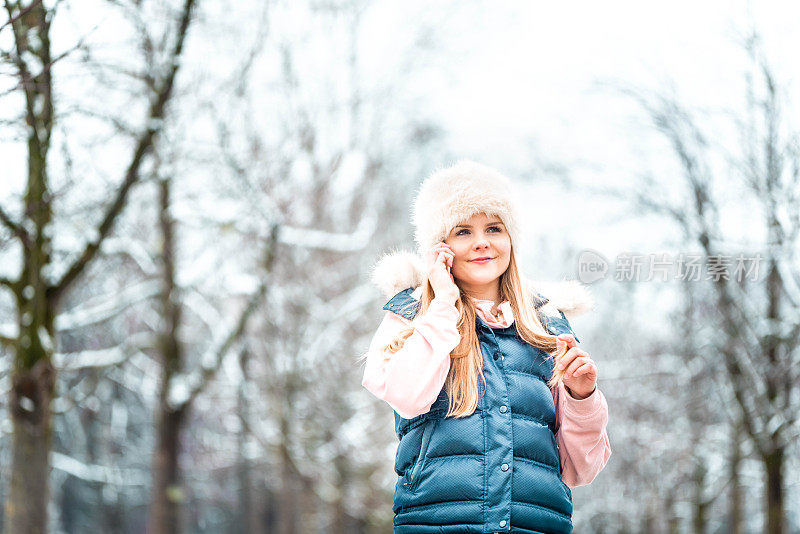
x: 410, y: 379
x: 581, y: 436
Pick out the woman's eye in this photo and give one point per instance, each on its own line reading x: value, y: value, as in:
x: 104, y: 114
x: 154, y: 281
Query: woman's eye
x: 496, y: 229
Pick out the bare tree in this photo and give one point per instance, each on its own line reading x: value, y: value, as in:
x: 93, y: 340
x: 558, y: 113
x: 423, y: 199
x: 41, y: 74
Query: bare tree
x: 38, y: 295
x: 759, y: 330
x: 179, y: 386
x: 302, y: 355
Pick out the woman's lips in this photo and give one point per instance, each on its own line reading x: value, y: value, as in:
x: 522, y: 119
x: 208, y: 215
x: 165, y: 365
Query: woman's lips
x: 482, y: 261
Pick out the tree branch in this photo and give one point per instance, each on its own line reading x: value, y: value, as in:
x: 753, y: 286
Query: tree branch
x: 270, y: 449
x: 7, y: 341
x: 144, y: 145
x: 15, y: 228
x: 741, y: 364
x: 26, y: 79
x: 7, y: 282
x: 22, y: 13
x: 236, y: 333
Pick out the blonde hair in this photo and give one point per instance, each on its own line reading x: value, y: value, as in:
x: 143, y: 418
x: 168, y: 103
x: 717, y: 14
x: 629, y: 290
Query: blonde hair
x: 466, y: 361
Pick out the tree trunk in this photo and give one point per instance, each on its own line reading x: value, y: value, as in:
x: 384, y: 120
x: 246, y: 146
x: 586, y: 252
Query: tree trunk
x: 167, y: 493
x: 700, y: 515
x: 247, y: 521
x: 287, y: 513
x: 343, y: 523
x: 339, y: 519
x: 248, y: 515
x: 735, y: 493
x: 773, y: 464
x: 673, y: 521
x: 649, y: 521
x: 33, y: 377
x: 26, y: 505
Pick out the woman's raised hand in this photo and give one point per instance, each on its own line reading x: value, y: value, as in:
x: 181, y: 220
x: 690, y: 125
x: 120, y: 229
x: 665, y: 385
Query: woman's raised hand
x: 440, y: 260
x: 580, y: 371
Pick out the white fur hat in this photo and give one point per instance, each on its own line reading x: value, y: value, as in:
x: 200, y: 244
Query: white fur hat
x: 456, y: 193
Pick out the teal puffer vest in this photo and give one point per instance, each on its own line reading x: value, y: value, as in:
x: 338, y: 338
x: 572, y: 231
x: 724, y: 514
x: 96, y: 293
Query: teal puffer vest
x: 497, y: 470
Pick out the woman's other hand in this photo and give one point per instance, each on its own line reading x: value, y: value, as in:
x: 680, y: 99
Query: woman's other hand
x: 580, y: 374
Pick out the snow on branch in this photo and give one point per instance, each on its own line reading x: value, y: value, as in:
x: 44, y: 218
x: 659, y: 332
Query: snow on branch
x: 132, y: 249
x: 9, y: 332
x: 73, y: 361
x: 320, y: 239
x: 206, y: 311
x: 346, y: 305
x: 105, y: 307
x: 183, y: 389
x: 99, y: 473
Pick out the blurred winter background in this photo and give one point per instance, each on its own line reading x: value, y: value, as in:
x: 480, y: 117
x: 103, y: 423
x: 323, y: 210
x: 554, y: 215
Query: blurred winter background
x: 192, y: 195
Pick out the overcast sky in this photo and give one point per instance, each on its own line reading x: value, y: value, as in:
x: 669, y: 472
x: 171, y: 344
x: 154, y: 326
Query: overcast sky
x: 529, y: 83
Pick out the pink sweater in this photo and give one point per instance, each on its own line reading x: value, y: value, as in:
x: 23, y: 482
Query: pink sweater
x: 410, y: 381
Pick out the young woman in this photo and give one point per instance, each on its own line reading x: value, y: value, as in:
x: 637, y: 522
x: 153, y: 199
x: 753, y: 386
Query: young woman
x: 496, y: 406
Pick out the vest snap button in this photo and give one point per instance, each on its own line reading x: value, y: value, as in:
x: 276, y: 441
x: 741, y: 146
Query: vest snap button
x: 504, y: 467
x: 503, y: 408
x: 503, y: 523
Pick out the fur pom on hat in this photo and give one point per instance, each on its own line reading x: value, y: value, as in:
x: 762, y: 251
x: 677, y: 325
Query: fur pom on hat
x: 452, y: 195
x: 396, y: 271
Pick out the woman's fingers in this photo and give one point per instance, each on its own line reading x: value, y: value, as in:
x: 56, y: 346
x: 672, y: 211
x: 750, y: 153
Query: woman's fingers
x: 445, y: 259
x: 572, y: 350
x: 583, y: 369
x: 448, y: 254
x: 439, y: 248
x: 569, y: 339
x: 443, y: 246
x: 576, y: 364
x: 570, y: 356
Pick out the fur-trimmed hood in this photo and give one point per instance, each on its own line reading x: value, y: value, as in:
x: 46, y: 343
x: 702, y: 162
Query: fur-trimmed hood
x: 399, y: 270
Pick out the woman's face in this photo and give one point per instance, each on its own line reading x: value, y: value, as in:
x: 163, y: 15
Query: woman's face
x: 479, y: 237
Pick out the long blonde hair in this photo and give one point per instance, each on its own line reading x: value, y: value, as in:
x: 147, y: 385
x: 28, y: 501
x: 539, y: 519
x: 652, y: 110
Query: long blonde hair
x: 466, y: 361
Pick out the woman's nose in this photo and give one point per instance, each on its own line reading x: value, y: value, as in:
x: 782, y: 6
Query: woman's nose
x: 481, y: 242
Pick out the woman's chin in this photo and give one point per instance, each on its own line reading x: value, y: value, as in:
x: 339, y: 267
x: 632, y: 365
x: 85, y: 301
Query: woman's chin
x: 478, y: 281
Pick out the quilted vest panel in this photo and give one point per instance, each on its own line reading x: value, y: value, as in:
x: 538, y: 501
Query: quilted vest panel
x: 497, y: 470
